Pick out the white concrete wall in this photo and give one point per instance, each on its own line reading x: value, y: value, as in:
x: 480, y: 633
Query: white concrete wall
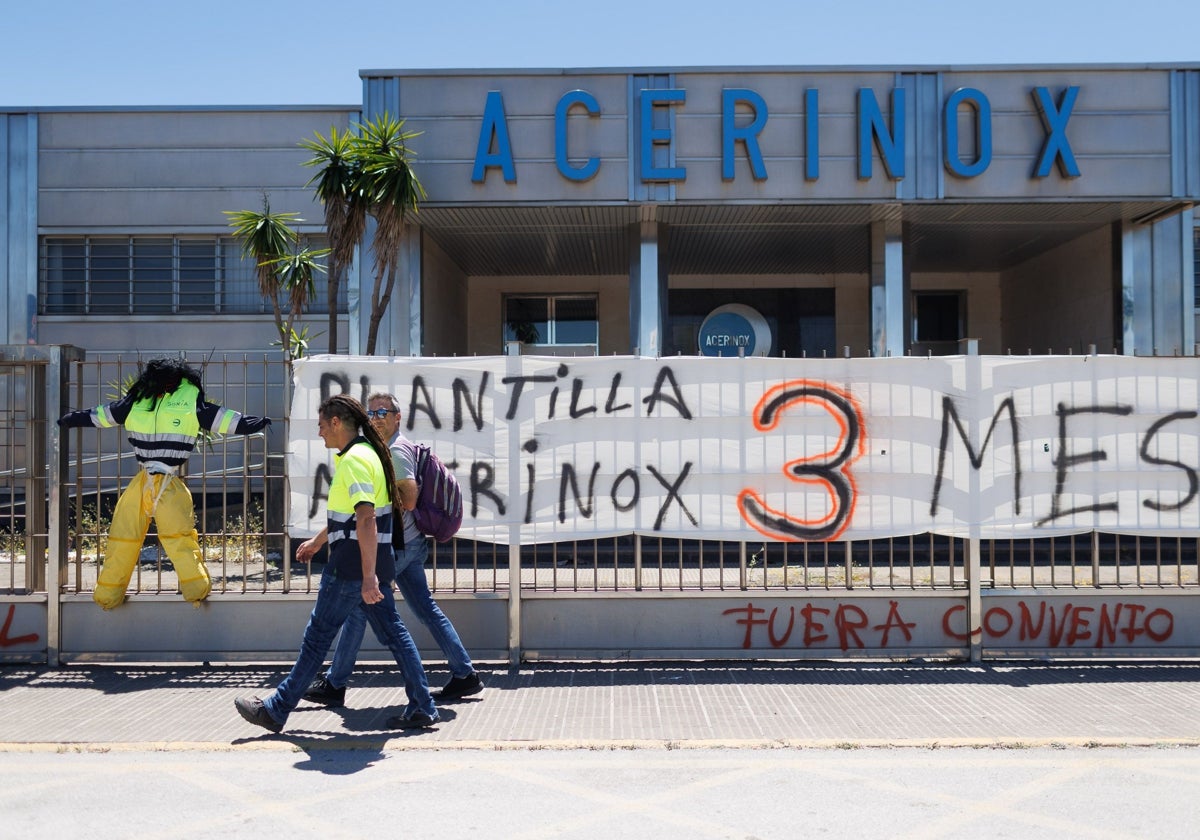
x: 444, y: 315
x: 1061, y: 301
x: 228, y: 333
x: 983, y: 300
x: 169, y: 171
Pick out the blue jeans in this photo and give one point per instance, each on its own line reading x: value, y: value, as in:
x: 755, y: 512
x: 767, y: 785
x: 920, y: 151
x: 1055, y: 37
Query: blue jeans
x: 411, y: 581
x: 338, y: 601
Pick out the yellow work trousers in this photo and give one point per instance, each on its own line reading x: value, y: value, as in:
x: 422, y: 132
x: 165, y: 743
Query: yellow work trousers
x: 170, y: 507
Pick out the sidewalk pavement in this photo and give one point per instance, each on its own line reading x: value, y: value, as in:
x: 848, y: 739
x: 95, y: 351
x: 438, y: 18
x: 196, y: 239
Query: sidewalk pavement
x: 749, y: 704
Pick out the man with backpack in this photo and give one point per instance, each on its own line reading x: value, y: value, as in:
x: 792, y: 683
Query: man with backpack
x: 329, y: 688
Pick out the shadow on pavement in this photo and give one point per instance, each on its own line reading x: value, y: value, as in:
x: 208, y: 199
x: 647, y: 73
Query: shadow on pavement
x: 125, y: 678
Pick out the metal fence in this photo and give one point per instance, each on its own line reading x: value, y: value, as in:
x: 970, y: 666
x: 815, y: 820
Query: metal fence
x: 239, y: 485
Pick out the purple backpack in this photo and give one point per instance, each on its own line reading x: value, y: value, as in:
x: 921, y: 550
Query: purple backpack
x: 439, y: 510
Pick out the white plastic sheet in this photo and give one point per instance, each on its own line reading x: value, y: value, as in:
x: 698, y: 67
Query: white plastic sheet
x: 549, y: 449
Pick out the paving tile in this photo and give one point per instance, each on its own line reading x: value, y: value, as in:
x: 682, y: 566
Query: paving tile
x: 605, y: 703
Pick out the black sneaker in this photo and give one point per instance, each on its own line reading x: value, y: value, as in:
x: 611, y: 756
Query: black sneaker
x: 253, y: 710
x: 413, y: 720
x: 320, y: 691
x: 460, y: 687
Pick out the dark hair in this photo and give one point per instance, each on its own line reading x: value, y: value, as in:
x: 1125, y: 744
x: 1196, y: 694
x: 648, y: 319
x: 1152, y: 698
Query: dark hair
x: 164, y: 376
x: 350, y: 411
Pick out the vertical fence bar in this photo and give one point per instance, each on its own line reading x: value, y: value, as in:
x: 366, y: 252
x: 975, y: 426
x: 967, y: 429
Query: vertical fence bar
x: 57, y: 379
x: 848, y: 564
x: 637, y: 562
x: 743, y: 576
x: 514, y: 597
x: 36, y: 441
x: 974, y: 597
x: 8, y: 401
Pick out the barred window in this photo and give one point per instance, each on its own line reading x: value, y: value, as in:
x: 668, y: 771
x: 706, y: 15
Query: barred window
x: 1196, y: 266
x: 144, y: 275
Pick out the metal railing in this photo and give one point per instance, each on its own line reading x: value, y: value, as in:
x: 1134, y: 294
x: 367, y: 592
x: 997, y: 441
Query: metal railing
x: 554, y: 598
x: 239, y: 485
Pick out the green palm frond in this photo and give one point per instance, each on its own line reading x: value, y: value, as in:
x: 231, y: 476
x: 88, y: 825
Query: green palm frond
x: 296, y: 274
x: 264, y: 236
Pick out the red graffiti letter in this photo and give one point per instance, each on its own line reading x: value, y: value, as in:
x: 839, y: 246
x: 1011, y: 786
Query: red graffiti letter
x: 749, y: 621
x: 1029, y: 630
x: 5, y: 641
x: 847, y: 626
x: 1080, y: 623
x: 814, y: 631
x: 1108, y: 625
x: 1059, y: 628
x: 1165, y: 633
x: 782, y: 640
x: 894, y: 620
x: 1133, y: 628
x: 962, y: 637
x: 987, y: 622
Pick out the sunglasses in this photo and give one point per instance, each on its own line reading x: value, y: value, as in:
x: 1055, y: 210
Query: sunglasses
x: 381, y: 412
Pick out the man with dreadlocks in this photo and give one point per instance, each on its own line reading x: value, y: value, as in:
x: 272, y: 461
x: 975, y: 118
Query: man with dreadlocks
x: 163, y: 413
x: 359, y: 571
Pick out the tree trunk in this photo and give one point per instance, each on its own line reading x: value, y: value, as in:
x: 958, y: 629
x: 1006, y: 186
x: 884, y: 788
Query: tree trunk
x: 379, y: 305
x: 333, y: 310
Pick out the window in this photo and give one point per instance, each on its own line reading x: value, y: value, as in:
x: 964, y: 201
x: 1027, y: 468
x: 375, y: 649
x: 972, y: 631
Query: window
x: 937, y: 321
x: 143, y: 275
x: 553, y: 319
x: 1196, y: 267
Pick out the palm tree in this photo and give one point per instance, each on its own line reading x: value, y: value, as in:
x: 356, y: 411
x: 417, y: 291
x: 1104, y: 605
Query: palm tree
x: 296, y: 276
x: 269, y: 239
x: 345, y: 211
x: 369, y: 173
x: 390, y: 190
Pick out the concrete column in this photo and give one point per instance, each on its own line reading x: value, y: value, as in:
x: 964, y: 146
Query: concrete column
x: 647, y: 287
x: 889, y: 287
x: 18, y: 227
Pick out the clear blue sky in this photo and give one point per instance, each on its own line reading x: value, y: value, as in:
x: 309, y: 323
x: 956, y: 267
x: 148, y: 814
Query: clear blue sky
x: 270, y: 52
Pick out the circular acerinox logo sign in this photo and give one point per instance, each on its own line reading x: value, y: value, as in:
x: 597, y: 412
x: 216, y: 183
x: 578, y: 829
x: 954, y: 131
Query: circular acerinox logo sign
x: 734, y: 329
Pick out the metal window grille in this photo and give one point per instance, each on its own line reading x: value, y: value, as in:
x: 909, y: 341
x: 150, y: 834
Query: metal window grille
x: 142, y: 275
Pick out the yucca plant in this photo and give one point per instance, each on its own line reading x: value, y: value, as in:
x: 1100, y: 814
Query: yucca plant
x: 365, y: 174
x: 389, y: 186
x: 270, y: 240
x: 336, y: 180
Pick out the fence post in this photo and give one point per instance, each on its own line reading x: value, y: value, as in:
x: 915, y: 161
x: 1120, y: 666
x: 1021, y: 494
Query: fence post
x: 37, y: 483
x: 277, y: 496
x: 514, y: 598
x: 637, y: 562
x: 973, y: 565
x: 973, y: 562
x: 743, y: 580
x: 47, y: 374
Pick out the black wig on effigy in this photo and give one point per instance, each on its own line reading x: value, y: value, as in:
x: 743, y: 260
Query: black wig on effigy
x: 162, y: 377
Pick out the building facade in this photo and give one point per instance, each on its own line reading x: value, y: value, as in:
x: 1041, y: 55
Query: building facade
x: 661, y: 212
x: 869, y: 211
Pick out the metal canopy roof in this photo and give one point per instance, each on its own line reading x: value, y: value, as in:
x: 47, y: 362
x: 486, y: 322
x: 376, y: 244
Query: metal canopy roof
x: 761, y: 239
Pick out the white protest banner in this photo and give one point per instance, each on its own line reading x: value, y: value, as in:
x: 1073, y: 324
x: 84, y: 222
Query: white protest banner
x: 551, y: 449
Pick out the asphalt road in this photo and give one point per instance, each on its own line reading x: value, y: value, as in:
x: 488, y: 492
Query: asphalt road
x: 280, y: 790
